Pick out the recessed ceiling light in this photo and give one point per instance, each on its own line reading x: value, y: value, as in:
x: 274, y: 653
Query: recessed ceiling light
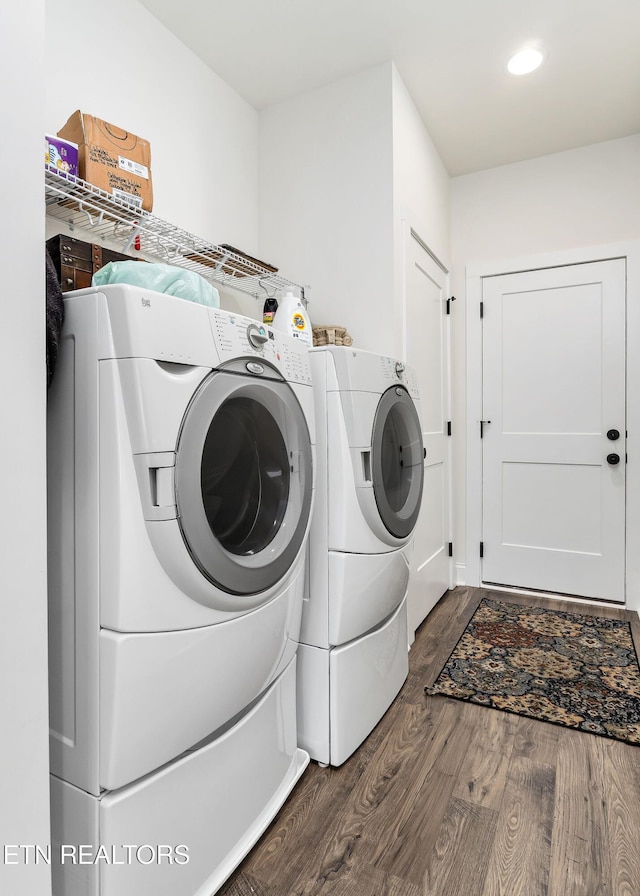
x: 525, y: 61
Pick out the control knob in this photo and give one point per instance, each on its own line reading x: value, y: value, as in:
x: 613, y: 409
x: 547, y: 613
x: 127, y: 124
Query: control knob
x: 257, y: 336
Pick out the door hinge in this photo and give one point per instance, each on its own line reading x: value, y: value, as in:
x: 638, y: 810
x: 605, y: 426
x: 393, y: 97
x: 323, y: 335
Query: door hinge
x: 482, y: 548
x: 483, y: 423
x: 448, y: 427
x: 451, y: 549
x: 481, y: 309
x: 449, y: 301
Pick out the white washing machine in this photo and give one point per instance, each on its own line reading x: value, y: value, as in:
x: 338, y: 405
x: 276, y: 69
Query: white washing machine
x: 352, y: 659
x: 180, y: 491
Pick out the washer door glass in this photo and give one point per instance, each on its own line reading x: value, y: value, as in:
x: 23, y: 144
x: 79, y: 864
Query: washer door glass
x: 244, y: 476
x: 397, y: 461
x: 243, y: 481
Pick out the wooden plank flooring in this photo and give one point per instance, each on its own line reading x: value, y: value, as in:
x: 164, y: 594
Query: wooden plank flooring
x: 445, y: 798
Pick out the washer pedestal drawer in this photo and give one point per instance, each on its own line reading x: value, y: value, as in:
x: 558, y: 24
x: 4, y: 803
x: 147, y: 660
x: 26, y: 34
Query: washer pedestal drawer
x: 182, y: 830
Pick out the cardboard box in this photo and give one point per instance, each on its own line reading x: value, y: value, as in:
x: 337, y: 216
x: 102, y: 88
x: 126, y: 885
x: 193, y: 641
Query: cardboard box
x: 112, y: 159
x: 61, y: 154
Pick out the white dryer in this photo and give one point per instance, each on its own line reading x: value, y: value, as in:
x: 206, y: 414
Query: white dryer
x: 352, y: 660
x: 180, y: 491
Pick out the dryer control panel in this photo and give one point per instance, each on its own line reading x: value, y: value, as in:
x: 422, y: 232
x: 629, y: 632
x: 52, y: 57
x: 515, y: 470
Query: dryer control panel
x: 361, y: 371
x: 394, y: 371
x: 238, y: 336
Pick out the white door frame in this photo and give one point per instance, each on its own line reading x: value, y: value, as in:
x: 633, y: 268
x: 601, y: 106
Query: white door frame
x: 474, y: 276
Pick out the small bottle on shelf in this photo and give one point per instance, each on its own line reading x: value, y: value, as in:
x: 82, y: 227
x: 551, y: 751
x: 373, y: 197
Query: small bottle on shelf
x: 269, y: 310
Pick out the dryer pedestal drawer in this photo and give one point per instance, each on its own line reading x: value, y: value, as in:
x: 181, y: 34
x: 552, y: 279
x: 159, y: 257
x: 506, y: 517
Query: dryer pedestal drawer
x: 344, y: 692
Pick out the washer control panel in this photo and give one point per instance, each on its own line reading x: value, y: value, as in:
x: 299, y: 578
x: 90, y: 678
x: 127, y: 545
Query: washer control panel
x: 238, y: 336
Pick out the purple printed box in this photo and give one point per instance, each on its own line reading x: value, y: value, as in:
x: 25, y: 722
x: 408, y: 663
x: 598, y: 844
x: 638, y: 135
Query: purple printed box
x: 61, y: 154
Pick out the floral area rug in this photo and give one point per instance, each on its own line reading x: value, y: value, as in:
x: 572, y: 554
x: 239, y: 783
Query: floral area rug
x: 567, y: 668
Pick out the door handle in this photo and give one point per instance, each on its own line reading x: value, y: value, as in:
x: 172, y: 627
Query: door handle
x: 613, y: 459
x: 613, y: 435
x: 366, y: 466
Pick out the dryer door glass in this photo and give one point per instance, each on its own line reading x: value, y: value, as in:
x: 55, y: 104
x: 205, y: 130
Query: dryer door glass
x: 243, y: 481
x: 397, y: 461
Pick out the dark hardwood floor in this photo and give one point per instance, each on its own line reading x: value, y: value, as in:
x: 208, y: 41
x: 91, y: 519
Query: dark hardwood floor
x: 445, y: 798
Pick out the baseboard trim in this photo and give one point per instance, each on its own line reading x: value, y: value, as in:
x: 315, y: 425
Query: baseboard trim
x: 585, y: 601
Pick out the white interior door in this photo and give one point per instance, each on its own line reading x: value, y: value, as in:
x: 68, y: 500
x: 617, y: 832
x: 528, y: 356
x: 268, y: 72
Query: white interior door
x: 554, y: 449
x: 427, y: 351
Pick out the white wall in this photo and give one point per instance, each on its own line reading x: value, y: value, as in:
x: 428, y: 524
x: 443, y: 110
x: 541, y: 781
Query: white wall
x: 119, y: 63
x: 24, y: 749
x: 326, y: 206
x: 421, y: 182
x: 565, y: 201
x: 581, y: 197
x: 339, y: 166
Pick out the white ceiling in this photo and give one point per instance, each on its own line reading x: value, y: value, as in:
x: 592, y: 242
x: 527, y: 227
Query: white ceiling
x: 451, y: 54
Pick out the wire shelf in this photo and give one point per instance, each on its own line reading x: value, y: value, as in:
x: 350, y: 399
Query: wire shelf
x: 80, y: 204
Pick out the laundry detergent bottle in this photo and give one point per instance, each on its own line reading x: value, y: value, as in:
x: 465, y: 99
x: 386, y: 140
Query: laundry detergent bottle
x: 292, y: 318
